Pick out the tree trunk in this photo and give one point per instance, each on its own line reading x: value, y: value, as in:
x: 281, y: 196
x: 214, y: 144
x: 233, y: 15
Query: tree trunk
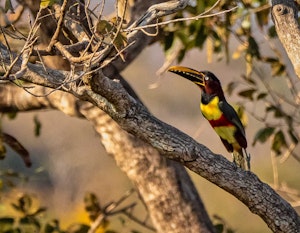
x: 165, y: 187
x: 147, y: 139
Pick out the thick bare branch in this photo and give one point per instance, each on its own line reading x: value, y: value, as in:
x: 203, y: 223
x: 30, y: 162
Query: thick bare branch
x: 132, y: 116
x: 140, y: 39
x: 164, y: 185
x: 285, y: 14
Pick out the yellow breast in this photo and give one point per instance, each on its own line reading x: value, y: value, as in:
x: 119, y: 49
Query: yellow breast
x: 211, y: 111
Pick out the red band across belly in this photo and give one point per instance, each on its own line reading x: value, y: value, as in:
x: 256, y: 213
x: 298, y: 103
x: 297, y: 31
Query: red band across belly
x: 222, y: 121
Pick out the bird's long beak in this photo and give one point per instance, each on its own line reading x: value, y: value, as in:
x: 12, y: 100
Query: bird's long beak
x: 188, y: 73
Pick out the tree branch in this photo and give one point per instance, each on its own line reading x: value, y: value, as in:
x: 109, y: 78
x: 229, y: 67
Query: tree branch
x: 285, y: 14
x: 164, y: 185
x: 133, y: 117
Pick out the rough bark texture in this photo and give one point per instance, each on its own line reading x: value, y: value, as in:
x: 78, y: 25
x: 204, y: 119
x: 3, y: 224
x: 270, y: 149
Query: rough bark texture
x: 165, y: 187
x: 138, y: 152
x: 285, y: 15
x: 170, y: 196
x: 132, y: 116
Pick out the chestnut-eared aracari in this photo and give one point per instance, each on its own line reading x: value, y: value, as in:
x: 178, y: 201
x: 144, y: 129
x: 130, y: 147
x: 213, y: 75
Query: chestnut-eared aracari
x: 221, y: 115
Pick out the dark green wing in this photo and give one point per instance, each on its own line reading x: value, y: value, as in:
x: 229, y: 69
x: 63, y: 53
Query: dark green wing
x: 233, y: 117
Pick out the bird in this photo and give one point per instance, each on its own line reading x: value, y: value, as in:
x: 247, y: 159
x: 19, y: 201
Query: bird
x: 219, y: 113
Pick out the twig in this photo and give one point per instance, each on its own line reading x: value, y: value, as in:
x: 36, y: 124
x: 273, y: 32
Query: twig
x: 6, y: 42
x: 288, y: 153
x: 107, y: 211
x: 275, y: 170
x: 200, y: 16
x: 59, y: 26
x: 94, y: 226
x: 135, y: 219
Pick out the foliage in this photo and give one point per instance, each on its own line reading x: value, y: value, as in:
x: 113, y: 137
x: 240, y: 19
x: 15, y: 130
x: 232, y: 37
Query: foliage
x: 239, y: 29
x: 28, y: 216
x: 278, y: 110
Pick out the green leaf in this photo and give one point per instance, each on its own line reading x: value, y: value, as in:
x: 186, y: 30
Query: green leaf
x: 249, y: 80
x: 262, y: 17
x: 253, y: 48
x: 201, y: 36
x: 279, y: 142
x: 78, y: 228
x: 12, y: 115
x: 263, y: 135
x: 104, y: 27
x: 29, y: 224
x: 219, y: 227
x: 248, y: 93
x: 25, y: 203
x: 181, y: 55
x: 277, y: 111
x: 6, y: 224
x: 37, y: 126
x: 8, y: 6
x: 169, y: 38
x: 261, y: 95
x: 277, y: 68
x: 272, y: 32
x: 230, y: 87
x: 92, y: 205
x: 52, y: 227
x: 183, y: 37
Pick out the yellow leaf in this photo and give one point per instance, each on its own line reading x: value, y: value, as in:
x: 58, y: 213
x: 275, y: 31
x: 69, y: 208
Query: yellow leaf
x: 46, y: 3
x: 249, y: 65
x: 237, y: 53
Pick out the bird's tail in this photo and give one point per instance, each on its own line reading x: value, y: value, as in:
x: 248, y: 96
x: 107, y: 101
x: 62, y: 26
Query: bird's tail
x: 241, y: 159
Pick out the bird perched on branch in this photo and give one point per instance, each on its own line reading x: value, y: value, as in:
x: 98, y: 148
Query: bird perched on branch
x: 221, y: 115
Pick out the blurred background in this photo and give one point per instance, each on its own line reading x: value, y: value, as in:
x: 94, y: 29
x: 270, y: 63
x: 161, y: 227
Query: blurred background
x: 69, y: 160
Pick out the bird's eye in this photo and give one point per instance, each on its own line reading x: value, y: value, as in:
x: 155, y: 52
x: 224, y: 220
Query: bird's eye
x: 206, y: 78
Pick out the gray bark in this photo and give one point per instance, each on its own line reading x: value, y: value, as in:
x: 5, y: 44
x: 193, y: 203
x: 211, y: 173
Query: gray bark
x: 285, y: 15
x: 165, y: 187
x: 133, y: 117
x: 155, y: 136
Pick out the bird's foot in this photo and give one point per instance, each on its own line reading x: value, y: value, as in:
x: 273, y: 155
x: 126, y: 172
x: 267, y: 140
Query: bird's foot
x: 248, y: 158
x: 234, y: 162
